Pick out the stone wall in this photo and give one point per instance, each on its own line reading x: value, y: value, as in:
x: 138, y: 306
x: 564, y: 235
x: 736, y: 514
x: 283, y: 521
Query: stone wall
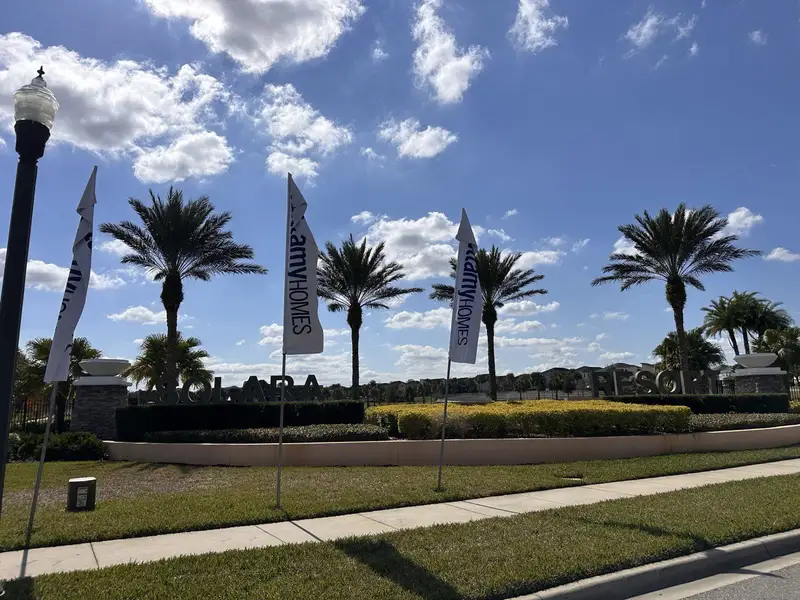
x: 761, y: 384
x: 96, y: 407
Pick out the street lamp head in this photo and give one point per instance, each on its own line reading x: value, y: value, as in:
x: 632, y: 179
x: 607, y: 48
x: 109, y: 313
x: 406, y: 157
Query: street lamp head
x: 35, y: 102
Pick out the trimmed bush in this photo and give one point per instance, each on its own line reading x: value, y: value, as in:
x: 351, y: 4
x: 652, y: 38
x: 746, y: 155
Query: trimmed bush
x: 308, y: 433
x: 715, y: 403
x: 71, y: 445
x: 133, y: 422
x: 712, y: 422
x: 537, y: 418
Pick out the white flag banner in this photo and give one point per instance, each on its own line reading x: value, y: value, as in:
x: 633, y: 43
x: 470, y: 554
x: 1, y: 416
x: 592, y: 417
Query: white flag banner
x: 77, y: 285
x: 467, y: 299
x: 302, y: 331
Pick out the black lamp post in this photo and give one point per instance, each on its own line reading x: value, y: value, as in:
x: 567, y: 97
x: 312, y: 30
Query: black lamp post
x: 35, y: 107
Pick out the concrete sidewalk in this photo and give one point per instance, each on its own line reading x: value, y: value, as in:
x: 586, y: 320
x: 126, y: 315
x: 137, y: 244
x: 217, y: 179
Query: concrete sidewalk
x: 77, y: 557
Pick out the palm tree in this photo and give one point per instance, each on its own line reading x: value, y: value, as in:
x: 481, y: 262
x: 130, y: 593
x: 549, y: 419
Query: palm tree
x: 677, y: 249
x: 355, y: 277
x: 703, y: 353
x: 177, y: 240
x: 501, y: 282
x: 768, y: 315
x: 786, y: 344
x: 744, y: 306
x: 721, y: 319
x: 151, y: 364
x: 38, y: 351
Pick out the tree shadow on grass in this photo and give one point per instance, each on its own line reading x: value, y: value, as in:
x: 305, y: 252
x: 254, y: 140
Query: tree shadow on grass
x: 384, y: 559
x: 700, y: 544
x: 18, y: 589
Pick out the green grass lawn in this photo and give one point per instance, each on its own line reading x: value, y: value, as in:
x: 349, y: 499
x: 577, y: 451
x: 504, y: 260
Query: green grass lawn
x: 136, y: 499
x: 486, y: 560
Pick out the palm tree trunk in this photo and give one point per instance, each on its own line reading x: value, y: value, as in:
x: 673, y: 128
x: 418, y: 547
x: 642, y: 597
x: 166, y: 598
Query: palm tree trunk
x: 489, y: 318
x: 680, y: 330
x: 746, y: 341
x: 734, y: 343
x: 171, y: 297
x: 354, y: 319
x: 676, y: 297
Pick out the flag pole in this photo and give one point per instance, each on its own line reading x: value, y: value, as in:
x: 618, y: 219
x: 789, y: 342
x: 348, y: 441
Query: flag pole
x: 280, y: 431
x: 444, y: 425
x: 38, y: 484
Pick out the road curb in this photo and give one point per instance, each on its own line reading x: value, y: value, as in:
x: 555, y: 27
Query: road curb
x: 676, y: 571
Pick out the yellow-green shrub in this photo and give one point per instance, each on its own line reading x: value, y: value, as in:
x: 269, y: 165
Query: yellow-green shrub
x: 535, y: 418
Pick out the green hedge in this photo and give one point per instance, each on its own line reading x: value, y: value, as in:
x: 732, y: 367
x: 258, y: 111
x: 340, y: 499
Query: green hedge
x: 308, y: 433
x: 71, y: 445
x: 715, y: 403
x: 134, y: 422
x: 718, y: 422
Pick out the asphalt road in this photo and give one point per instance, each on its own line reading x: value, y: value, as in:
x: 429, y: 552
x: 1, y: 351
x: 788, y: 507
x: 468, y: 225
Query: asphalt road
x: 766, y: 584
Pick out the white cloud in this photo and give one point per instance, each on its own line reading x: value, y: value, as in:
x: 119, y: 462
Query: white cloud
x: 298, y: 131
x: 782, y: 255
x: 511, y: 213
x: 531, y: 258
x: 661, y: 61
x: 758, y: 37
x: 580, y: 244
x: 515, y: 342
x: 418, y: 360
x: 694, y: 49
x: 138, y: 341
x: 198, y: 154
x: 328, y: 367
x: 594, y: 316
x: 365, y: 217
x: 600, y: 336
x: 281, y: 163
x: 423, y: 246
x: 125, y: 108
x: 272, y: 335
x: 438, y: 61
x: 257, y: 34
x: 512, y: 326
x: 593, y: 347
x: 581, y: 325
x: 371, y: 155
x: 643, y: 33
x: 437, y: 317
x: 49, y: 277
x: 533, y: 28
x: 500, y: 233
x: 685, y: 29
x: 114, y: 247
x: 524, y: 308
x: 741, y: 221
x: 616, y: 356
x: 624, y: 246
x: 140, y: 314
x: 615, y: 316
x: 378, y: 53
x: 555, y: 241
x: 414, y: 142
x: 241, y: 342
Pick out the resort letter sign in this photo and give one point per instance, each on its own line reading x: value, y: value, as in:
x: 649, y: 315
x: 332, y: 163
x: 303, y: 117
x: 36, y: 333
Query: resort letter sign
x: 642, y: 383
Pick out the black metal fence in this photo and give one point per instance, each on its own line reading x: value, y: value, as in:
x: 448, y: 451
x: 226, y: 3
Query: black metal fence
x: 30, y: 414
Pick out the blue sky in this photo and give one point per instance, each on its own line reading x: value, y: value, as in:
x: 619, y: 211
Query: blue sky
x: 551, y: 122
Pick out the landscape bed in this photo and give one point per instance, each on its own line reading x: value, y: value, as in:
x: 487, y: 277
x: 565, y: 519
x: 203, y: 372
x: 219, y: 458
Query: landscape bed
x: 517, y: 555
x: 534, y: 418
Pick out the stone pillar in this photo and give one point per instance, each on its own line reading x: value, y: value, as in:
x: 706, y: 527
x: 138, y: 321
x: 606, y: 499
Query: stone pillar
x: 97, y: 397
x: 757, y: 376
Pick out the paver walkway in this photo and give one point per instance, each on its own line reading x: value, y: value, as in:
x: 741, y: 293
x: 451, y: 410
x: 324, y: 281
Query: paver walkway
x: 95, y: 555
